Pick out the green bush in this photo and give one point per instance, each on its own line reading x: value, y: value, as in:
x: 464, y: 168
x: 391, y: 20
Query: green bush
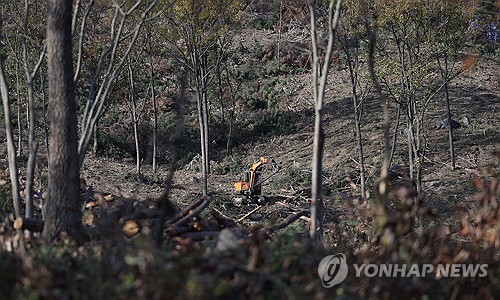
x: 262, y: 23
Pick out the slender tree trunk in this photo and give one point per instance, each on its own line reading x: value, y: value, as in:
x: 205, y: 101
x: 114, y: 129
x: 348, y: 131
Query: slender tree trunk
x: 137, y: 146
x: 95, y: 139
x: 395, y: 136
x: 409, y: 141
x: 201, y: 86
x: 319, y: 86
x: 63, y: 214
x: 205, y: 108
x: 32, y: 145
x: 229, y: 134
x: 352, y: 63
x: 30, y: 75
x: 448, y: 113
x: 206, y: 132
x: 30, y: 175
x: 11, y: 148
x: 360, y: 148
x: 202, y: 143
x: 135, y: 120
x: 19, y: 108
x: 155, y: 125
x: 155, y: 109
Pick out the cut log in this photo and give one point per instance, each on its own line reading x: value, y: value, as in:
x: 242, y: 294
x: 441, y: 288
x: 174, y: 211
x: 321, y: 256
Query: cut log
x: 288, y: 221
x: 31, y: 224
x: 131, y: 228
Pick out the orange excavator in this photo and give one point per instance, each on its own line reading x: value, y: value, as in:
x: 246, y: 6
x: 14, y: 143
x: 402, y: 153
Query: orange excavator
x: 250, y: 187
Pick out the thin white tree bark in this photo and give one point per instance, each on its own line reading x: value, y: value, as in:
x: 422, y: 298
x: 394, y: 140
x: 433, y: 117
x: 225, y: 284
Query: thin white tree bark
x: 11, y: 148
x: 135, y: 119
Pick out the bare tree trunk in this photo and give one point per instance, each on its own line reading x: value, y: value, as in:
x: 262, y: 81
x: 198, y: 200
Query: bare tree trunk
x: 30, y: 175
x: 448, y: 112
x: 63, y: 214
x: 203, y: 145
x: 352, y: 63
x: 19, y: 126
x: 319, y: 85
x: 202, y: 105
x: 135, y: 120
x: 155, y: 123
x: 409, y: 142
x: 153, y: 99
x: 11, y: 148
x: 206, y: 132
x: 95, y: 138
x: 32, y: 145
x: 395, y: 135
x: 205, y: 109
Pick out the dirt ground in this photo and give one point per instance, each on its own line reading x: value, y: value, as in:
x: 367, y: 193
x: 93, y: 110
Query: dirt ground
x: 475, y: 95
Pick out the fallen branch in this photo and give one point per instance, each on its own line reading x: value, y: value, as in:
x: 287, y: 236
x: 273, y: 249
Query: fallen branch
x: 221, y: 214
x: 248, y: 214
x: 221, y: 219
x: 195, y: 212
x: 288, y: 221
x: 186, y: 211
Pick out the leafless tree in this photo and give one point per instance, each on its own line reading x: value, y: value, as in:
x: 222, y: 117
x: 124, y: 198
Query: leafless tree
x: 103, y: 79
x: 350, y: 45
x: 320, y: 75
x: 153, y: 96
x: 32, y: 144
x: 134, y: 115
x: 11, y: 148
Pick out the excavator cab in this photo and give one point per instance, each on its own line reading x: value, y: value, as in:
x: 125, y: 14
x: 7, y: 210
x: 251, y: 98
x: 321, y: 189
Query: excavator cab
x: 251, y: 185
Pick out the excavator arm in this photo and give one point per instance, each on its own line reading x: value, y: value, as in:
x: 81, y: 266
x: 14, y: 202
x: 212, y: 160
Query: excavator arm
x: 254, y: 169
